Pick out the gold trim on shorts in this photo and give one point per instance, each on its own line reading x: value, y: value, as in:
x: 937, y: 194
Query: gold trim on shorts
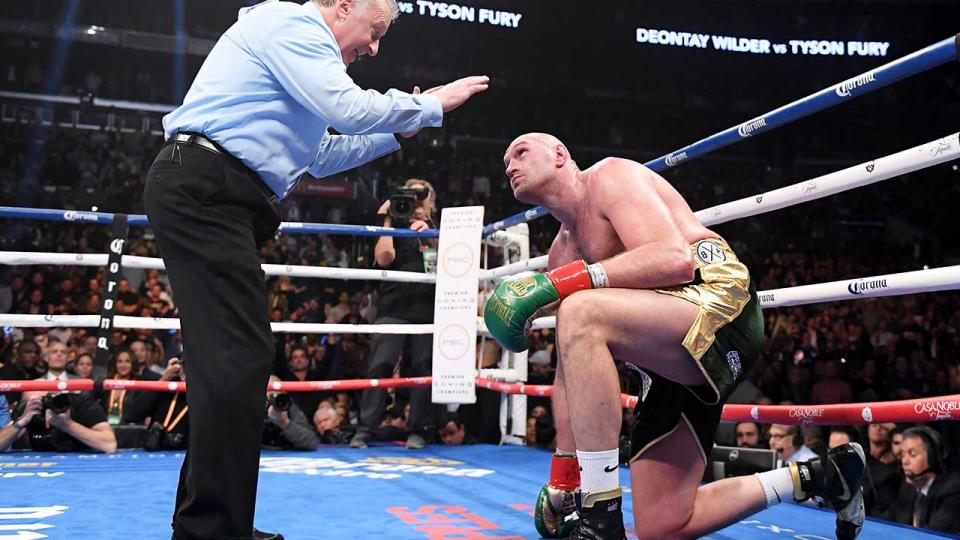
x: 683, y: 417
x: 721, y: 297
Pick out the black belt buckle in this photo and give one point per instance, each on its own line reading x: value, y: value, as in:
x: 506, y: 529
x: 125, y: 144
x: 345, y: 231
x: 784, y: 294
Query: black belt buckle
x: 271, y: 196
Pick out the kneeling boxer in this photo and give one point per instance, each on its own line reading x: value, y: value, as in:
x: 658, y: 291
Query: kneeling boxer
x: 658, y: 290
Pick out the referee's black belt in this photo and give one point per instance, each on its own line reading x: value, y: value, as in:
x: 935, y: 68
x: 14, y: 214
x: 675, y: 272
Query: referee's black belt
x: 195, y: 139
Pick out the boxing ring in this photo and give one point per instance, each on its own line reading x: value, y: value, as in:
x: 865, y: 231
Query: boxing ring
x: 447, y: 492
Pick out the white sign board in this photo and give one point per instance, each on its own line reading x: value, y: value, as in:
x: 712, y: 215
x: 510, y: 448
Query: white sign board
x: 455, y: 308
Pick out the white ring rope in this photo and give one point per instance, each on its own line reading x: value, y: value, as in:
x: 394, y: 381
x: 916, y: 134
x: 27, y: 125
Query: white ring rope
x: 936, y: 279
x: 165, y: 323
x: 918, y: 281
x: 513, y: 268
x: 133, y: 261
x: 913, y: 159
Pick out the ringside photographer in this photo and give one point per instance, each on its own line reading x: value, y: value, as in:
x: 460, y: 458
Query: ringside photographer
x: 411, y: 206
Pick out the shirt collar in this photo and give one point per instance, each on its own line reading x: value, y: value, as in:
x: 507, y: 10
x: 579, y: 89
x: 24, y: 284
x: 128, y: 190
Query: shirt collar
x: 926, y: 487
x: 313, y: 10
x: 51, y: 377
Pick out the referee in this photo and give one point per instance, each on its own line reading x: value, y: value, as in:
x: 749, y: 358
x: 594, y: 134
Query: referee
x: 255, y: 119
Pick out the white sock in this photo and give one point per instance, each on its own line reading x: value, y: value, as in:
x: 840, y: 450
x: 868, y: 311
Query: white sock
x: 599, y: 471
x: 777, y: 485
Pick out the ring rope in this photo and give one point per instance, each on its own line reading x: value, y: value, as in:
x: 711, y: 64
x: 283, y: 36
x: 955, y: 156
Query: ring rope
x: 917, y: 281
x: 907, y: 161
x: 925, y: 59
x: 106, y: 218
x: 910, y: 410
x: 17, y: 258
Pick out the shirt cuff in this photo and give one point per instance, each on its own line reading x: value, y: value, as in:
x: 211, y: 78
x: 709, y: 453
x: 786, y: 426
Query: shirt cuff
x: 432, y: 111
x: 383, y: 144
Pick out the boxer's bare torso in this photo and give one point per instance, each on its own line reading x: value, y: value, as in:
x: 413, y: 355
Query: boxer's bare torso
x: 593, y: 237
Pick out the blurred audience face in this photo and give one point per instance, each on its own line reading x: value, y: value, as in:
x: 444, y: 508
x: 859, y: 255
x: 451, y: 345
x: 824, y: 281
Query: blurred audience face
x: 298, y: 360
x: 915, y: 461
x: 748, y: 435
x: 90, y: 345
x: 326, y: 418
x: 57, y: 356
x: 879, y: 434
x: 838, y: 438
x: 451, y: 433
x: 123, y: 365
x: 781, y: 440
x: 896, y: 444
x: 538, y: 411
x: 531, y: 431
x: 28, y: 354
x: 84, y: 366
x: 139, y: 349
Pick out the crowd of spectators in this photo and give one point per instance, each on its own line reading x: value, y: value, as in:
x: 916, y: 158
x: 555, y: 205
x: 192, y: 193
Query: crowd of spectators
x: 863, y: 350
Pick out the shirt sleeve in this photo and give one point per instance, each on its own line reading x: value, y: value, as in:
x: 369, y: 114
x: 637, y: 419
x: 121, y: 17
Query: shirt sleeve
x: 305, y: 59
x: 298, y: 431
x: 90, y: 412
x: 343, y: 152
x: 4, y: 412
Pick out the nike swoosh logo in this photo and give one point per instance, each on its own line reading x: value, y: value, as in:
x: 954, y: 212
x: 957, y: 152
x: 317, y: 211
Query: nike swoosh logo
x: 845, y: 496
x: 611, y: 469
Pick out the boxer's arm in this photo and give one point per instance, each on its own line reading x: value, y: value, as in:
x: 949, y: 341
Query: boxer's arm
x: 559, y: 255
x: 560, y: 251
x: 656, y: 253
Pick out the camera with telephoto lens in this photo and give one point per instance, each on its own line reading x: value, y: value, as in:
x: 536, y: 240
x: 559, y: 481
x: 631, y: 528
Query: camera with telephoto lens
x: 404, y: 202
x: 158, y: 438
x: 57, y: 403
x: 280, y: 402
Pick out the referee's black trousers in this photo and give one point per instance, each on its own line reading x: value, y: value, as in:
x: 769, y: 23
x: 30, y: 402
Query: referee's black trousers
x: 210, y: 217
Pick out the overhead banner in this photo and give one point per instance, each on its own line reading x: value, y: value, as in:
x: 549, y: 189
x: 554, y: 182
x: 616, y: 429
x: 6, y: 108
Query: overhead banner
x: 455, y: 307
x: 462, y: 13
x: 754, y: 45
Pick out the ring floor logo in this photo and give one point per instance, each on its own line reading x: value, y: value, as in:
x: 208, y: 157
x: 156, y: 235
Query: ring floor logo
x: 382, y: 468
x: 444, y: 521
x: 24, y: 522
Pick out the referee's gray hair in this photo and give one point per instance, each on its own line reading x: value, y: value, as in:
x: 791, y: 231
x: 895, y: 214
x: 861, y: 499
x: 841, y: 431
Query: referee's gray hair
x: 391, y: 6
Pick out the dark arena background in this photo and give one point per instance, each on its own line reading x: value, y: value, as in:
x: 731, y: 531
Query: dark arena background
x: 818, y: 137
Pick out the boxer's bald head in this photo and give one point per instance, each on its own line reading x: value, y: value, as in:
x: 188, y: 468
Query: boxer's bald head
x: 532, y: 160
x: 545, y: 139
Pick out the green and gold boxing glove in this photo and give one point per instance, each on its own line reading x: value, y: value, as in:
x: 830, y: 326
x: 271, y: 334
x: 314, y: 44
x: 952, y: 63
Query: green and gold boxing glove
x: 518, y: 298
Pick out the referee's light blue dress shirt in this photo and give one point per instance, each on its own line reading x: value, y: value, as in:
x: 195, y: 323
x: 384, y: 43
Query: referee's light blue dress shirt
x: 4, y: 412
x: 273, y: 85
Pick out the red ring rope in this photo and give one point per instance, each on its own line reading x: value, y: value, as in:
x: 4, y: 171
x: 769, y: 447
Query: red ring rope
x: 910, y: 410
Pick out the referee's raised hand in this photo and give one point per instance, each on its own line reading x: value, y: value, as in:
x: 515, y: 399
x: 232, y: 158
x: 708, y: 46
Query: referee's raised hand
x: 455, y: 94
